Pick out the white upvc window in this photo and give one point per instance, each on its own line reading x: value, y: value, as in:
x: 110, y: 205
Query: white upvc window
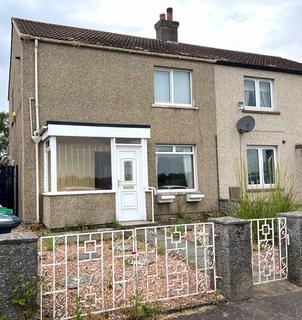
x: 175, y: 168
x: 76, y: 164
x: 261, y: 163
x: 258, y: 94
x: 173, y: 87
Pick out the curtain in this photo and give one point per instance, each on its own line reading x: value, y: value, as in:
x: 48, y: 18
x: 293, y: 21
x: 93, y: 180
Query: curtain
x: 249, y: 93
x: 268, y: 166
x: 76, y: 162
x: 265, y: 94
x: 188, y: 170
x: 253, y: 166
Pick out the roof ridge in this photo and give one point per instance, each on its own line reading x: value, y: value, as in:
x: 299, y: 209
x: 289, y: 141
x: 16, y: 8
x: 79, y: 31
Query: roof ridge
x: 126, y: 41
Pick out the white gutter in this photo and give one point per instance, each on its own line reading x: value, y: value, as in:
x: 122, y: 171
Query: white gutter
x: 102, y: 47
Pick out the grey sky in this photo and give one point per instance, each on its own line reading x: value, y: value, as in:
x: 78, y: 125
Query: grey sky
x: 263, y: 26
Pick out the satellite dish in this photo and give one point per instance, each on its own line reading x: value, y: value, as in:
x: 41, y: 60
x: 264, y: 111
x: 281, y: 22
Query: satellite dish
x: 245, y: 124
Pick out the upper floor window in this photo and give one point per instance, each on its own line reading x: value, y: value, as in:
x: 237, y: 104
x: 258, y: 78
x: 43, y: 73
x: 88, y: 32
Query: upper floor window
x: 261, y: 162
x: 175, y: 167
x: 173, y: 87
x: 258, y: 93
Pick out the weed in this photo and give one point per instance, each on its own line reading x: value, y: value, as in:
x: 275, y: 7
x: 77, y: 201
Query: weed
x: 129, y: 262
x: 179, y: 228
x: 49, y: 244
x: 90, y: 309
x: 78, y: 311
x: 181, y: 214
x: 25, y: 296
x: 199, y: 242
x: 115, y: 225
x: 261, y: 204
x: 142, y: 310
x: 160, y: 249
x: 217, y: 298
x: 110, y: 283
x: 2, y: 317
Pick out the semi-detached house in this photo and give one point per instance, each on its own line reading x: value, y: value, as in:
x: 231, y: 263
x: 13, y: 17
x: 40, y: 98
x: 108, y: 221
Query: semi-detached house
x: 108, y: 127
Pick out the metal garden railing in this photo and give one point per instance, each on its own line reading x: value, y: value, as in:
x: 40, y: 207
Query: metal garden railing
x: 103, y: 271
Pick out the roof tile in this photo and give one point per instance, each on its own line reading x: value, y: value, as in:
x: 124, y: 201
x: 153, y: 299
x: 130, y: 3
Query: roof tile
x: 94, y: 37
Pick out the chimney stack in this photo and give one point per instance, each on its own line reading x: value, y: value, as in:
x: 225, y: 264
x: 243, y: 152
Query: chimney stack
x: 166, y: 30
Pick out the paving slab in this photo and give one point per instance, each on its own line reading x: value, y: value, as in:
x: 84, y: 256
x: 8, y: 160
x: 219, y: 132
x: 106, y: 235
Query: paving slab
x: 278, y: 300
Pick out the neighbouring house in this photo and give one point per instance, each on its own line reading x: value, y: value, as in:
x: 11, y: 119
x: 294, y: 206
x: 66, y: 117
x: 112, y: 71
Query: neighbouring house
x: 108, y: 127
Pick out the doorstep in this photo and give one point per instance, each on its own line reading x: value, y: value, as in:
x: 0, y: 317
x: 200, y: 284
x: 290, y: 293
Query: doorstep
x: 136, y: 224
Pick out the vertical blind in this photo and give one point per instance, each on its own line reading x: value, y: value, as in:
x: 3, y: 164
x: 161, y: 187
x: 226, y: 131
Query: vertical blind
x: 83, y: 164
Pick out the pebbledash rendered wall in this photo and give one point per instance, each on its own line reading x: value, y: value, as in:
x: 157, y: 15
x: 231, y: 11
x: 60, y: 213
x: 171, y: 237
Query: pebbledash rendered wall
x: 92, y: 85
x: 281, y: 128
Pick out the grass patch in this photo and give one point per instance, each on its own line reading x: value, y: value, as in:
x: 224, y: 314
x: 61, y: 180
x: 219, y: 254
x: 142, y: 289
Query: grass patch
x: 266, y: 204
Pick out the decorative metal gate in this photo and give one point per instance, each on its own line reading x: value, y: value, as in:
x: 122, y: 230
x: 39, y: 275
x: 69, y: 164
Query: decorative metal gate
x: 103, y: 271
x: 269, y: 255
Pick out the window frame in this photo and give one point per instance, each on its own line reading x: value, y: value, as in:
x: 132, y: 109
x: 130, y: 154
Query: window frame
x: 261, y: 169
x: 193, y: 153
x: 172, y: 103
x: 53, y: 156
x: 257, y: 94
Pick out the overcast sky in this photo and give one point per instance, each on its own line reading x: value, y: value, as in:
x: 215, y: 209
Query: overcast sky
x: 262, y: 26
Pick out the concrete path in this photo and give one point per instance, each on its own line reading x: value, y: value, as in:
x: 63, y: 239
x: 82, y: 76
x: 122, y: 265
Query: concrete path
x: 274, y: 301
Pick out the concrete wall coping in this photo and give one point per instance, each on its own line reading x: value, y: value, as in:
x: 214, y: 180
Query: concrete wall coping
x: 229, y: 220
x: 18, y: 237
x: 293, y: 214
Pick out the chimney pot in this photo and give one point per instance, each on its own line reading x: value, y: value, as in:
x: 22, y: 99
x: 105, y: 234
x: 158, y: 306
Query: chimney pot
x: 166, y: 30
x: 170, y: 14
x: 162, y: 16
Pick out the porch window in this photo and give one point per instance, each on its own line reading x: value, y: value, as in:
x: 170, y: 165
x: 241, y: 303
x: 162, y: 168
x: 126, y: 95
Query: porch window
x: 80, y: 164
x: 261, y: 166
x: 175, y: 167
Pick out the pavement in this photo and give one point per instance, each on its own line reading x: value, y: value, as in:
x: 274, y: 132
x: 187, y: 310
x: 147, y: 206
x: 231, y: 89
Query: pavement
x: 279, y: 300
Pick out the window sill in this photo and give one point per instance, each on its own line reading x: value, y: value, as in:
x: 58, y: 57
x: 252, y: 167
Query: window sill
x: 174, y: 106
x: 70, y: 193
x: 261, y: 111
x: 176, y: 191
x: 261, y: 189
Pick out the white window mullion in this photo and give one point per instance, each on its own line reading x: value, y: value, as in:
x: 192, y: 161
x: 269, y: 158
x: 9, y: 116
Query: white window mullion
x: 46, y: 178
x: 53, y: 155
x: 114, y: 175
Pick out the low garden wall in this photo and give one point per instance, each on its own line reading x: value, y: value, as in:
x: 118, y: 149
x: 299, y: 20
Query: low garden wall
x: 231, y: 253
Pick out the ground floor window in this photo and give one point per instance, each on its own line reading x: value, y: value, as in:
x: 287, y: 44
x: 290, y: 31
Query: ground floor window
x: 82, y: 164
x: 261, y: 162
x: 175, y: 167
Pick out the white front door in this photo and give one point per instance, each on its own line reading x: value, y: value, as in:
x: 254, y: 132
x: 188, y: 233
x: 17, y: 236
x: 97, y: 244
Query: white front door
x: 130, y: 190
